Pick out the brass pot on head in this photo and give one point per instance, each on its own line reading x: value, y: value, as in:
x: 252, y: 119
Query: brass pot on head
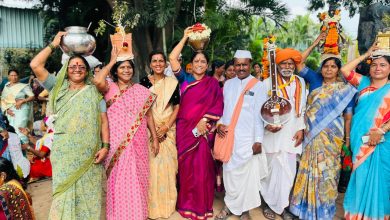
x: 198, y: 45
x: 77, y: 41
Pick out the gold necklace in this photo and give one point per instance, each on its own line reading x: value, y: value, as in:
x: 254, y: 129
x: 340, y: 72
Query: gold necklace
x: 73, y: 86
x: 128, y: 85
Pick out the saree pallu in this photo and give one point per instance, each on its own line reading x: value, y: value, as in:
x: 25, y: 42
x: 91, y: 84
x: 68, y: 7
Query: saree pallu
x: 368, y: 192
x: 77, y: 181
x: 23, y: 117
x: 315, y: 190
x: 14, y: 202
x: 163, y: 167
x: 202, y: 98
x: 127, y: 163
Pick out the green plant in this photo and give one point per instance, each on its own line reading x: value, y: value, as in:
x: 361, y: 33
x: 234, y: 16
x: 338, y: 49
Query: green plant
x: 122, y: 18
x: 19, y: 59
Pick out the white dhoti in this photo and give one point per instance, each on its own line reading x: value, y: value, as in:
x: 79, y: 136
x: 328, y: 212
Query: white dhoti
x: 277, y: 185
x: 242, y: 185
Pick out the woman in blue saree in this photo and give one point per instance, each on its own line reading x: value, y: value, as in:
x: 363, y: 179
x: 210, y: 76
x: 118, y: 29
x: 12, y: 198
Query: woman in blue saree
x: 368, y: 192
x: 327, y: 118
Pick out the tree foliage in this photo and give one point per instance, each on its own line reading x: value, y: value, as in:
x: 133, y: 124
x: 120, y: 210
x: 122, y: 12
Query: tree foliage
x: 351, y: 5
x: 162, y: 22
x: 299, y: 33
x: 386, y: 20
x: 58, y: 14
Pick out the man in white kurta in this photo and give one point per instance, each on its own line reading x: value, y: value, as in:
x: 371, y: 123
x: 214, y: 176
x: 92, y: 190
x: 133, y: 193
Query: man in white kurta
x: 283, y: 144
x: 247, y: 165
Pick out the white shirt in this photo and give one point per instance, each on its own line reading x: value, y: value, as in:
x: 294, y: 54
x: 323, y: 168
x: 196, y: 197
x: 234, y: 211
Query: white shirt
x: 250, y: 127
x: 19, y: 161
x: 283, y: 139
x: 168, y: 71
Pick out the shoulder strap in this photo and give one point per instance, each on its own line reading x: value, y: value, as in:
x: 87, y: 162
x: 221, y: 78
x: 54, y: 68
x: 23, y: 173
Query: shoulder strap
x: 237, y: 109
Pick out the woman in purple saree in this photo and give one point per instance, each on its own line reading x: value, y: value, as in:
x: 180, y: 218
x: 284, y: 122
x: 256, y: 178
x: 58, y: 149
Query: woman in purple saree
x: 200, y: 107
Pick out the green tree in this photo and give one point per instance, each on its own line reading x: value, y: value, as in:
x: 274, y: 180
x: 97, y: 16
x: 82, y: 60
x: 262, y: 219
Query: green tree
x: 162, y: 22
x: 58, y: 14
x: 386, y: 20
x: 351, y: 5
x: 298, y: 33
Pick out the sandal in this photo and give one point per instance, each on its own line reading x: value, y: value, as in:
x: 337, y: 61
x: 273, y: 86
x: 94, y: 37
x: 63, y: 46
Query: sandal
x: 223, y: 214
x: 245, y: 216
x: 288, y: 215
x: 268, y: 213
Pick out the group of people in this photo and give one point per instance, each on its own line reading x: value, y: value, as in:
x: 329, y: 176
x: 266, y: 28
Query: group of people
x: 158, y: 142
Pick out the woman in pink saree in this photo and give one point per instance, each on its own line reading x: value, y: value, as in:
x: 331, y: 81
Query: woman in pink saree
x: 127, y: 164
x: 201, y: 106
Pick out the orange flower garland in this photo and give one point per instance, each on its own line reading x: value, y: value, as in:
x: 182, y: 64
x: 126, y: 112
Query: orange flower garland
x: 331, y: 26
x: 264, y: 59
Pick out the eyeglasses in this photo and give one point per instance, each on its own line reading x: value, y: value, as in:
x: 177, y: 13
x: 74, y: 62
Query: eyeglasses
x: 75, y: 67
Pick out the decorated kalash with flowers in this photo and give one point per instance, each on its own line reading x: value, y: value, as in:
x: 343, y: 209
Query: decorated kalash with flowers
x: 200, y: 37
x: 331, y: 25
x: 122, y: 38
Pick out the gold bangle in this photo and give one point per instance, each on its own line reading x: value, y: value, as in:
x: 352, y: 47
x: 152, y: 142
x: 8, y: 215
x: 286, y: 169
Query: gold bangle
x: 51, y: 46
x: 385, y: 128
x: 106, y: 145
x: 381, y: 131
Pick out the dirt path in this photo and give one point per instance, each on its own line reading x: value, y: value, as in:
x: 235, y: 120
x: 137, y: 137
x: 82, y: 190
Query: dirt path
x: 41, y: 196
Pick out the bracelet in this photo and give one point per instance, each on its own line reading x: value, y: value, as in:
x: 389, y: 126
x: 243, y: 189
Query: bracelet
x: 51, y: 46
x: 106, y: 145
x: 347, y: 137
x: 385, y: 128
x: 381, y: 130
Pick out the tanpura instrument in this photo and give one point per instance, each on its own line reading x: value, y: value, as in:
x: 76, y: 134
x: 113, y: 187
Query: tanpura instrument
x: 276, y: 110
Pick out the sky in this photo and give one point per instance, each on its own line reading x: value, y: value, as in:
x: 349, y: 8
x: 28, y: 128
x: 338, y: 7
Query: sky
x: 299, y: 7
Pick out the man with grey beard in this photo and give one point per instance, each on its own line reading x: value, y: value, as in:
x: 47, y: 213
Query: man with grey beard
x: 283, y: 143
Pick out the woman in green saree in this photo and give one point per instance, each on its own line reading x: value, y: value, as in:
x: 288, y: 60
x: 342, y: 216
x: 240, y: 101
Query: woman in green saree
x: 77, y: 146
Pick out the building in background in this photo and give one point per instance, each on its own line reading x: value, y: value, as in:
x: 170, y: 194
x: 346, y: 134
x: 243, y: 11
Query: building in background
x: 21, y: 33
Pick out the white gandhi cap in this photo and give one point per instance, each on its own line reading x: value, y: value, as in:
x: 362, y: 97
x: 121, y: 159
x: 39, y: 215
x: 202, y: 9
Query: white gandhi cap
x: 243, y: 54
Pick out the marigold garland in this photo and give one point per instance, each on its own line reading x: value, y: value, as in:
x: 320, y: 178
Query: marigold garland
x: 331, y: 25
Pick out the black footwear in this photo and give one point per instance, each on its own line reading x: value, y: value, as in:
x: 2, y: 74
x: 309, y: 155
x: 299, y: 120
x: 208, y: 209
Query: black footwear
x: 223, y: 214
x: 269, y: 213
x: 286, y: 215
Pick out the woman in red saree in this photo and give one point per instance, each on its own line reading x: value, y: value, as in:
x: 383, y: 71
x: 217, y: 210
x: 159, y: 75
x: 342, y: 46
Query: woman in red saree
x: 127, y: 163
x: 201, y: 106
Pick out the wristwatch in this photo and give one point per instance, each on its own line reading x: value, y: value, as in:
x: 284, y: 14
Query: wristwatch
x: 28, y: 148
x: 205, y: 119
